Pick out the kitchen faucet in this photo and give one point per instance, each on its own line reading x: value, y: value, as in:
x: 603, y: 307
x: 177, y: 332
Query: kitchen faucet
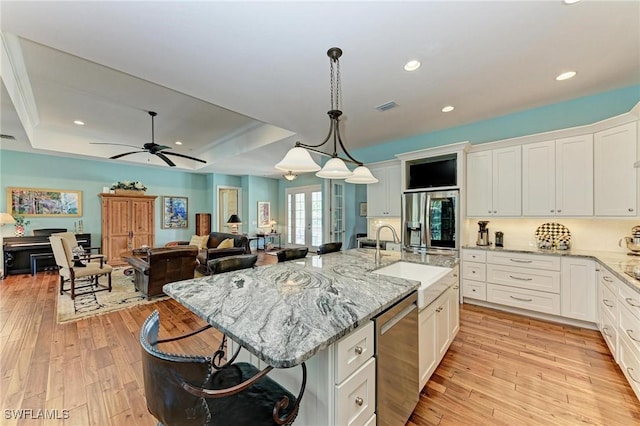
x: 395, y: 240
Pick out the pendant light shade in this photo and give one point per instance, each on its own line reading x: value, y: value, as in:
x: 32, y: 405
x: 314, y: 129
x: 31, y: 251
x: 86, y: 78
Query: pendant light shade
x: 334, y: 169
x: 298, y: 160
x: 361, y: 174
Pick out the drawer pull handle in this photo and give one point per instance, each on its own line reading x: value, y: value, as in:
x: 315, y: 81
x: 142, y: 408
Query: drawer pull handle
x: 521, y: 279
x: 439, y: 309
x: 455, y: 287
x: 607, y: 279
x: 521, y: 261
x: 359, y: 401
x: 629, y: 333
x: 606, y: 304
x: 629, y: 370
x: 358, y: 350
x: 523, y: 300
x: 605, y: 332
x: 630, y: 301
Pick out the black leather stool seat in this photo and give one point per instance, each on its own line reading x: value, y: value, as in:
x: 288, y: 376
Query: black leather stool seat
x: 231, y: 263
x: 329, y: 247
x: 292, y: 253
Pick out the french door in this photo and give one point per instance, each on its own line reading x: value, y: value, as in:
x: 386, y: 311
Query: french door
x: 304, y: 217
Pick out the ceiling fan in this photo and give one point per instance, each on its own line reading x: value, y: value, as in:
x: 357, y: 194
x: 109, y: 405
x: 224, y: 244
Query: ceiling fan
x: 151, y: 148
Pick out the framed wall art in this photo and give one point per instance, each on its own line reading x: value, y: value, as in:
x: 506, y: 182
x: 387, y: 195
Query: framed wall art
x: 175, y: 212
x: 44, y: 202
x: 264, y: 214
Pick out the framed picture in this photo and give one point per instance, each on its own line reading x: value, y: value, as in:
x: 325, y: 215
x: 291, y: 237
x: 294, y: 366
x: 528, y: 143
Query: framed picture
x: 174, y: 212
x: 363, y: 209
x: 44, y: 202
x: 264, y: 214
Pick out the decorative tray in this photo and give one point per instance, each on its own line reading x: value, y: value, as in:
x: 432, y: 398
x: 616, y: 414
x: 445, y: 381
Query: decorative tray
x: 553, y: 235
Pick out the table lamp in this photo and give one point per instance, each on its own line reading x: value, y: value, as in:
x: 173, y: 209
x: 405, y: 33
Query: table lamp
x: 234, y: 221
x: 273, y: 226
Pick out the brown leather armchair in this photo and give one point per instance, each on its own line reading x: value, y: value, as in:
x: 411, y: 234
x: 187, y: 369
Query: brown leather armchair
x: 163, y: 265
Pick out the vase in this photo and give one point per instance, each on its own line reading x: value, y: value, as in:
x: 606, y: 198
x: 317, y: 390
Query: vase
x: 19, y: 230
x: 128, y: 192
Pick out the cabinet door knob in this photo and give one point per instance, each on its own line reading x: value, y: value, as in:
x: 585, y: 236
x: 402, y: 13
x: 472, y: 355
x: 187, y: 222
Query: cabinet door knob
x: 489, y: 211
x: 358, y: 350
x: 630, y: 209
x: 559, y: 211
x: 495, y: 211
x: 551, y: 211
x: 359, y: 401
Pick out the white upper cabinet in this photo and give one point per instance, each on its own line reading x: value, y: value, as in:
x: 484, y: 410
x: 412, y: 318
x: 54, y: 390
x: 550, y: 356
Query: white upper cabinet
x: 615, y: 178
x: 557, y: 177
x: 494, y: 182
x: 383, y: 198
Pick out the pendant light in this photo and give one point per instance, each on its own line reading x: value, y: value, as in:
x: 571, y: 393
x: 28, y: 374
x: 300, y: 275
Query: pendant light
x: 298, y: 158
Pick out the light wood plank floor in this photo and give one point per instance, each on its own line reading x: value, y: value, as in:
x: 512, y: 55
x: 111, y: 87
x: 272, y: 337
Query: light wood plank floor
x: 501, y: 369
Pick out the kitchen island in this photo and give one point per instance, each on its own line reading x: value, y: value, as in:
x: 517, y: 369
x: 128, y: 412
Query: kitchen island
x: 283, y: 314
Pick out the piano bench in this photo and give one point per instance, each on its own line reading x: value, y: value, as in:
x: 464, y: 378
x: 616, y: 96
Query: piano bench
x: 36, y: 257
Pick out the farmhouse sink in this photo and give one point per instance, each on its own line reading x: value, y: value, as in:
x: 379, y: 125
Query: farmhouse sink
x: 429, y: 277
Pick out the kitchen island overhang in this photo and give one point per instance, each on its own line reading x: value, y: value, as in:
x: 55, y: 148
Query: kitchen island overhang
x: 285, y: 313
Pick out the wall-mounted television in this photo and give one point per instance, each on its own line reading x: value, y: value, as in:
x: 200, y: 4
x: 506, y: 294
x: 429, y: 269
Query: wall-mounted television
x: 433, y: 172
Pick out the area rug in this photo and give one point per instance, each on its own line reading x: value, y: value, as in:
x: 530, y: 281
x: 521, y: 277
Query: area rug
x: 89, y: 303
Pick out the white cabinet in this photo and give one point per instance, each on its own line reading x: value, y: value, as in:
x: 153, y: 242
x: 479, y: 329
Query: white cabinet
x: 474, y: 274
x: 557, y: 177
x: 383, y: 198
x: 615, y: 178
x: 494, y: 182
x: 579, y: 289
x: 438, y: 325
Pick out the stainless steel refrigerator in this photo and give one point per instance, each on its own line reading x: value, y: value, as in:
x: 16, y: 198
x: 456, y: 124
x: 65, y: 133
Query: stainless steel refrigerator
x: 430, y: 220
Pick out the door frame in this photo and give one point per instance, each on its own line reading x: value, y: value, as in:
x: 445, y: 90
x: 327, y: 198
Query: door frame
x: 295, y: 189
x: 239, y: 212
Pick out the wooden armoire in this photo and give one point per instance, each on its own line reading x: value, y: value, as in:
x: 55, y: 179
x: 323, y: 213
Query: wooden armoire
x: 128, y: 222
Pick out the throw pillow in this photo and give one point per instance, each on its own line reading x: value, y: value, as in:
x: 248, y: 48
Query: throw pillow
x: 199, y: 241
x: 228, y: 243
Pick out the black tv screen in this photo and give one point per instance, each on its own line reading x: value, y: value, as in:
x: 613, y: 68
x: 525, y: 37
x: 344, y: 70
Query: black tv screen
x: 432, y: 172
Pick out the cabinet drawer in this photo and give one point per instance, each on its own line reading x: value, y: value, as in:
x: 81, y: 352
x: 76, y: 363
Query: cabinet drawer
x: 521, y: 298
x: 352, y: 351
x: 630, y: 299
x: 630, y: 364
x: 630, y: 329
x: 355, y: 398
x: 474, y: 271
x: 550, y: 263
x: 371, y: 421
x: 528, y: 278
x: 474, y: 255
x: 474, y: 289
x: 607, y: 301
x: 607, y: 279
x: 609, y: 332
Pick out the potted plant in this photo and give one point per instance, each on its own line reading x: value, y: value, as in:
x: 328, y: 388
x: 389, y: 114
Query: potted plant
x: 126, y: 187
x: 21, y: 222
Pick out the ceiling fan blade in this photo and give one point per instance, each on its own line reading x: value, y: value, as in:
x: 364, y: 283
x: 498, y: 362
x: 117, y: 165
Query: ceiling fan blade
x: 161, y: 147
x: 165, y: 159
x: 118, y: 144
x: 184, y: 156
x: 126, y: 153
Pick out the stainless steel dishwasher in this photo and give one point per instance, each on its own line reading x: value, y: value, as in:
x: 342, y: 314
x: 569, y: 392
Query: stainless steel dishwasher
x: 397, y: 372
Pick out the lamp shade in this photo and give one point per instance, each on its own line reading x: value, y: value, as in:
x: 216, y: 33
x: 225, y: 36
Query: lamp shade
x: 361, y: 174
x: 298, y: 160
x: 234, y: 220
x: 334, y: 169
x: 6, y: 218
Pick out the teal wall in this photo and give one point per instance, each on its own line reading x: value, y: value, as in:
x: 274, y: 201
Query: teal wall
x: 576, y: 112
x: 20, y: 169
x: 260, y: 189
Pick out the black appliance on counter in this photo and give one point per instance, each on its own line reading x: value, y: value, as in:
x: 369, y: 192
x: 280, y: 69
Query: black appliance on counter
x: 430, y: 220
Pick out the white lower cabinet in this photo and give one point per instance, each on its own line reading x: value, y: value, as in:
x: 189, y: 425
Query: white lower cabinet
x: 579, y: 289
x: 438, y: 325
x: 532, y: 300
x: 355, y: 398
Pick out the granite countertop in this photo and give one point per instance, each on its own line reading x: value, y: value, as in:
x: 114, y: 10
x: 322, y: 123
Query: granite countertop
x: 285, y: 313
x: 615, y: 262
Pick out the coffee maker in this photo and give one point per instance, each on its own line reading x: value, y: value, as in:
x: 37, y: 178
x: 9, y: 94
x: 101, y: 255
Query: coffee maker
x: 483, y: 233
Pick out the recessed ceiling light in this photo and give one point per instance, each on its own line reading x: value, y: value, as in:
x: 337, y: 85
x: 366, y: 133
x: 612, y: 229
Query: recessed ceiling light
x: 412, y: 65
x: 448, y: 108
x: 566, y: 75
x: 570, y: 1
x: 79, y: 123
x: 178, y: 143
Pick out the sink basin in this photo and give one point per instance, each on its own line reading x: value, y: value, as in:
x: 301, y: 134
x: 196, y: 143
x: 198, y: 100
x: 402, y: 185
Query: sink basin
x: 428, y: 275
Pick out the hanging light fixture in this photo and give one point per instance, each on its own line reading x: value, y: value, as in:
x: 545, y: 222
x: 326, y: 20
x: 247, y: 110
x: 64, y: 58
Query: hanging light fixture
x: 298, y: 158
x: 290, y: 176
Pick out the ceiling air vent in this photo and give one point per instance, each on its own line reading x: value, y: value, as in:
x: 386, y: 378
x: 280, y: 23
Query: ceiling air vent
x: 10, y: 137
x: 386, y: 106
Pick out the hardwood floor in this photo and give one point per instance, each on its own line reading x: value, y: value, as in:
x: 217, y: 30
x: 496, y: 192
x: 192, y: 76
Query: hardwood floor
x: 501, y: 369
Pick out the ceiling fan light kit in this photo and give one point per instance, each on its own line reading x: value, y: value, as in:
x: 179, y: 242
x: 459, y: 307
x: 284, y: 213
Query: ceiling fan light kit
x: 153, y: 148
x: 298, y: 159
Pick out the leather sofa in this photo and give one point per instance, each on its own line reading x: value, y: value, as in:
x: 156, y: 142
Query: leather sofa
x: 240, y: 246
x: 159, y: 266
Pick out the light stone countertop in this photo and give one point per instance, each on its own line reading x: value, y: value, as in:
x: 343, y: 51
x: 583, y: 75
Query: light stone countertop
x: 284, y: 313
x: 615, y: 262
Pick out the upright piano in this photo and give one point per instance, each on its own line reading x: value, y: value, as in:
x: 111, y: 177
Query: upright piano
x: 18, y: 251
